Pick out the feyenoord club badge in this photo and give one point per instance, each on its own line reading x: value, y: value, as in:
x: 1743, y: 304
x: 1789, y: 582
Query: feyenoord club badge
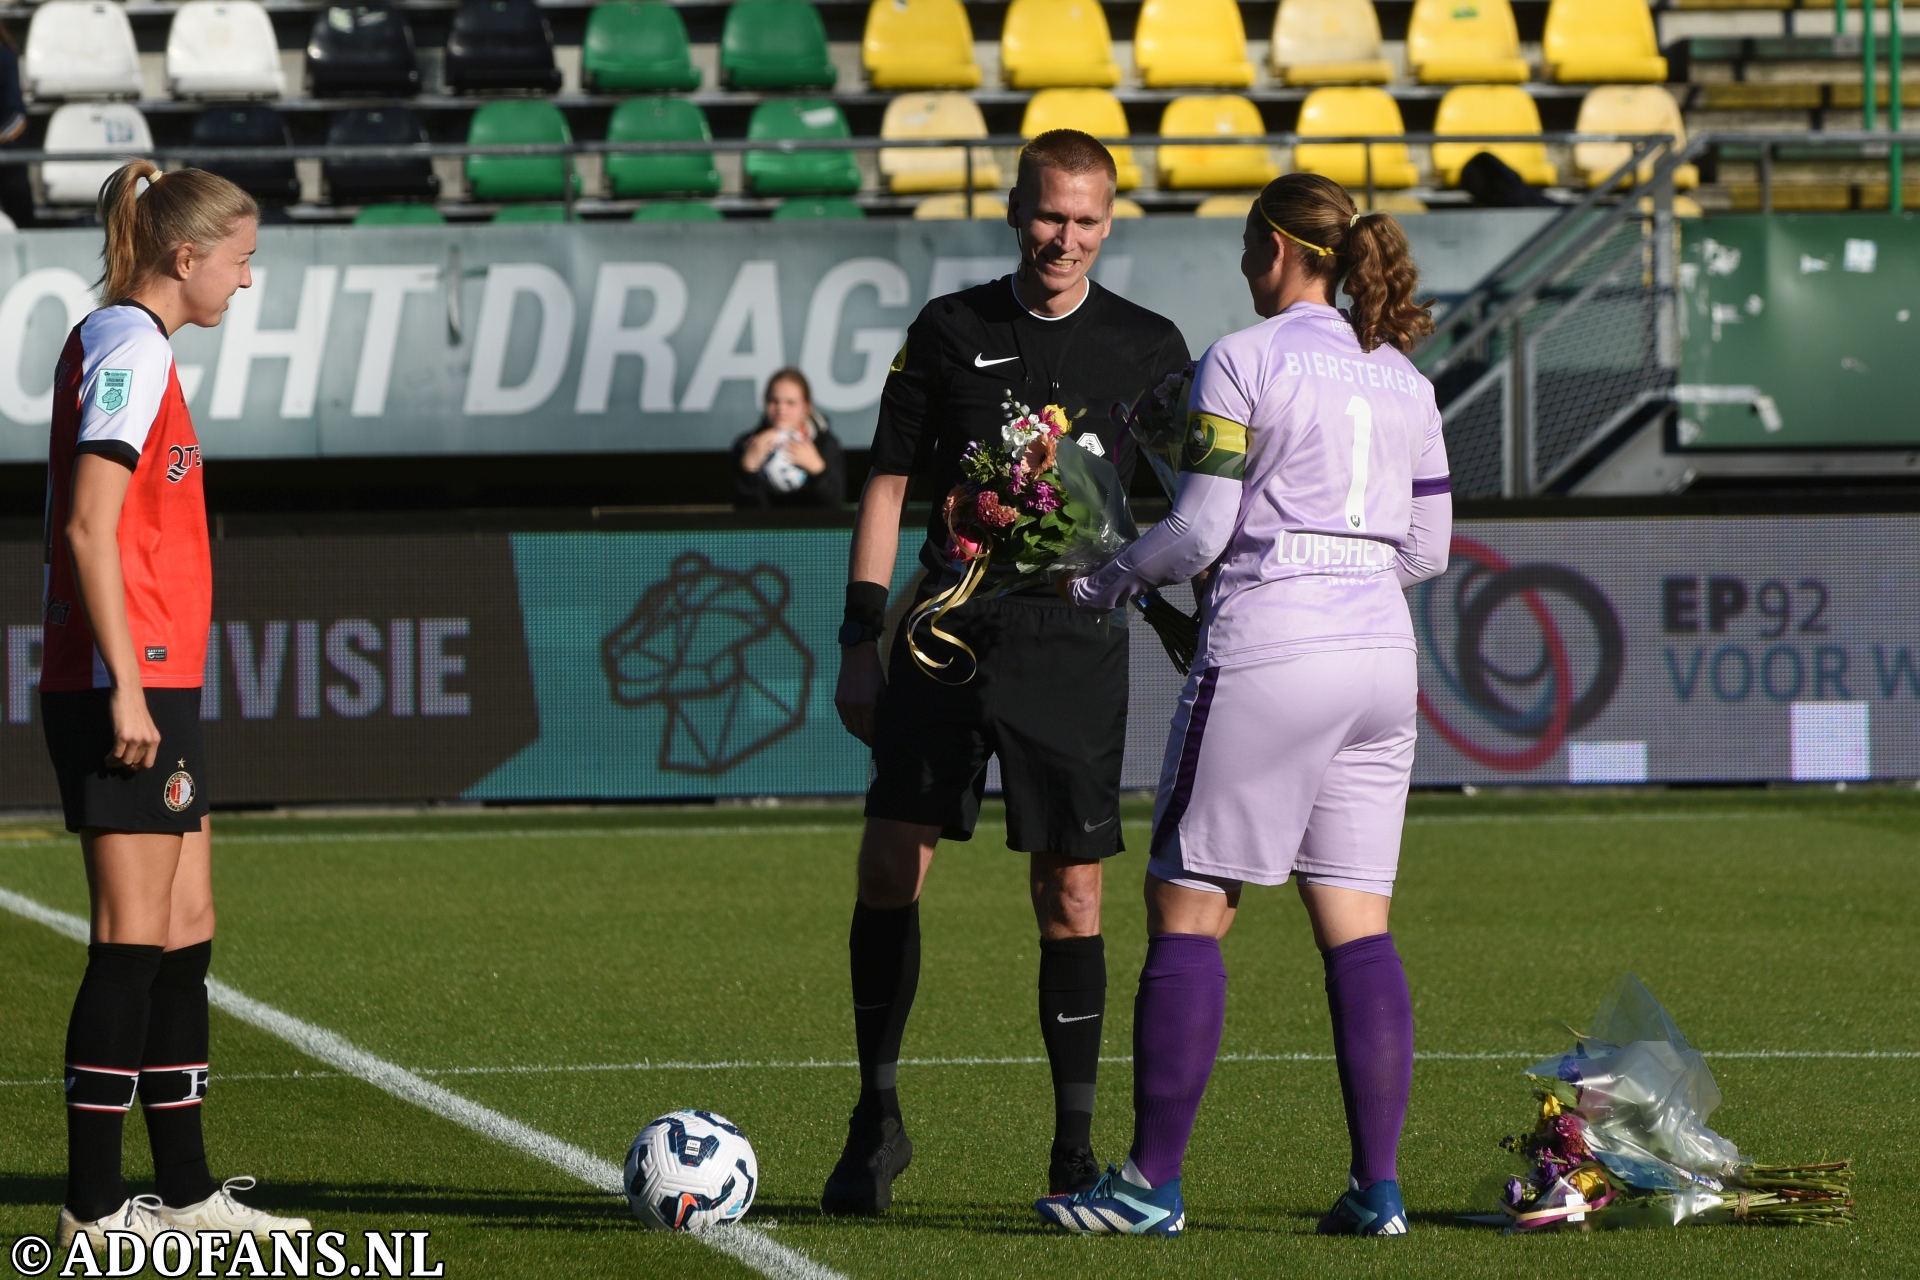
x: 179, y: 792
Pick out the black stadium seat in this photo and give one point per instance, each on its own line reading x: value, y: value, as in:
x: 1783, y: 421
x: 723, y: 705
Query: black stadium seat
x: 500, y: 44
x: 366, y: 181
x: 249, y: 124
x: 362, y: 50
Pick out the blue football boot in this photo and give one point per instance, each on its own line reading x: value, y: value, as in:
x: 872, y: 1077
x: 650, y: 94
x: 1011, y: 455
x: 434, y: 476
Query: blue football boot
x: 1117, y: 1207
x: 1377, y: 1211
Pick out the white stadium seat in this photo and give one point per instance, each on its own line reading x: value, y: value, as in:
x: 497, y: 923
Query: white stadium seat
x: 113, y: 128
x: 81, y: 49
x: 223, y: 49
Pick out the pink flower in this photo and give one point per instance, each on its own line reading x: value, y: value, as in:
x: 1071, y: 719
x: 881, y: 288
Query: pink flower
x: 961, y: 547
x: 1054, y: 418
x: 1040, y: 454
x: 1044, y: 498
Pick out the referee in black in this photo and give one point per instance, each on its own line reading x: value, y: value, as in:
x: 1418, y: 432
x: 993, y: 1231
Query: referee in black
x: 1049, y: 694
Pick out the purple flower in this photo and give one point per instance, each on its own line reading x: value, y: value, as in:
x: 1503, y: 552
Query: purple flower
x: 1044, y: 498
x: 1516, y: 1192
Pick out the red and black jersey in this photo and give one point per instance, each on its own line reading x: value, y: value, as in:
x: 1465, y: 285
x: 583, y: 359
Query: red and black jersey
x: 115, y: 392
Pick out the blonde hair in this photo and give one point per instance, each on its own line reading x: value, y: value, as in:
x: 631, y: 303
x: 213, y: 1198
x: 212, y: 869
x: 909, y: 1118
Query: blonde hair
x: 147, y: 225
x: 1367, y: 252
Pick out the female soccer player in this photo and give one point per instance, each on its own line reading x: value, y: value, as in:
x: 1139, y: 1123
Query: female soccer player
x: 1315, y: 483
x: 129, y: 595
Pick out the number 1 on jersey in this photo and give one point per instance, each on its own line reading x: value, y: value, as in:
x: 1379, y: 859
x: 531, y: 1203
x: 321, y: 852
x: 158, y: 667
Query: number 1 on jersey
x: 1362, y: 414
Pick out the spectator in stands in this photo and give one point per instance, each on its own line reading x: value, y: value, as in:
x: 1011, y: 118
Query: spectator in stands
x: 791, y: 458
x: 16, y: 193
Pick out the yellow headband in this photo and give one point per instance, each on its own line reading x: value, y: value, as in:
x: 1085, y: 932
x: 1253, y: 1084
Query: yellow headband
x: 1323, y: 252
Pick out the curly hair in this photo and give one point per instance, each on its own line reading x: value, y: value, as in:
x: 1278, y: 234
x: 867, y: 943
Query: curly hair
x: 1365, y: 252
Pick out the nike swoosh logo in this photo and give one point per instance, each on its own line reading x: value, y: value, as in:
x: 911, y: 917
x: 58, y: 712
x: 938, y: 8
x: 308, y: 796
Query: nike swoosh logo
x: 981, y: 362
x: 1091, y: 827
x: 1061, y: 1017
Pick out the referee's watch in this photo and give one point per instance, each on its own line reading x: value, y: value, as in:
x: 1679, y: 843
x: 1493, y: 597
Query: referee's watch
x: 853, y: 633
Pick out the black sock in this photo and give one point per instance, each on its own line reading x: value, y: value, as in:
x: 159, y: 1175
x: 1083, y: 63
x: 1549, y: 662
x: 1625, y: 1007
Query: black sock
x: 1073, y: 1004
x: 173, y: 1076
x: 883, y: 949
x: 104, y: 1036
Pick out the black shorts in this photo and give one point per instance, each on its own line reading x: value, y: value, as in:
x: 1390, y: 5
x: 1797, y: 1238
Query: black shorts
x: 171, y: 797
x: 1049, y: 699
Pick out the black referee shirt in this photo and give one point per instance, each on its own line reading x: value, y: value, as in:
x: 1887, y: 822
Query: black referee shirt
x: 969, y: 352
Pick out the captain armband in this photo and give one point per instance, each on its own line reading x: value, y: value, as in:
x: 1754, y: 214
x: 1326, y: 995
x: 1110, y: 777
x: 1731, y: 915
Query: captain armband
x: 1215, y: 446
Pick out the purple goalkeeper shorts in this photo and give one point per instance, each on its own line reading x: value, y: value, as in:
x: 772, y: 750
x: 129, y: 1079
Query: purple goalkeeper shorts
x: 1285, y: 766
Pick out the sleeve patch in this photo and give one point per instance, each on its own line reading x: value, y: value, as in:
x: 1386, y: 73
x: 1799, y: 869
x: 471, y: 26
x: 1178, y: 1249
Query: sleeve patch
x: 1215, y: 446
x: 112, y: 390
x: 899, y: 360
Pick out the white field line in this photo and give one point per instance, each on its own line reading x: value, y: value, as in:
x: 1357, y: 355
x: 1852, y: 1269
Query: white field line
x: 746, y: 1245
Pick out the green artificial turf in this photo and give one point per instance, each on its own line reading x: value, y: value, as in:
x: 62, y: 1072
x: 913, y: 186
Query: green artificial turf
x: 1765, y: 921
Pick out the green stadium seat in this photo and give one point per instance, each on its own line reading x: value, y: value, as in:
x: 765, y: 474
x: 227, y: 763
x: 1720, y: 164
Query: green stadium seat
x: 809, y: 210
x: 518, y: 177
x: 800, y: 173
x: 533, y: 213
x: 399, y: 215
x: 775, y: 44
x: 661, y: 120
x: 636, y: 45
x: 677, y: 211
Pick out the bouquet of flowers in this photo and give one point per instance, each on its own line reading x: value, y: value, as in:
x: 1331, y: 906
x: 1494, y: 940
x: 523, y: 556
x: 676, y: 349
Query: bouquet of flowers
x: 1621, y: 1138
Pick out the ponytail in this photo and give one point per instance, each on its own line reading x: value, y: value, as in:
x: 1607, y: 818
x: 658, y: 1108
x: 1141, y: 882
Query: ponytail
x: 1367, y: 252
x: 149, y: 215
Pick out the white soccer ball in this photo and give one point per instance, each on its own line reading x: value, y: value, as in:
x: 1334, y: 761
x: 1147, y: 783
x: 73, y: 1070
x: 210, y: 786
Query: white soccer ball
x: 690, y: 1170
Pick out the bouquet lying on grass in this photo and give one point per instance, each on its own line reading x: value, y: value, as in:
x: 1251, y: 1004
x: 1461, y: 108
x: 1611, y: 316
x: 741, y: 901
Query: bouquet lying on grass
x: 1622, y: 1141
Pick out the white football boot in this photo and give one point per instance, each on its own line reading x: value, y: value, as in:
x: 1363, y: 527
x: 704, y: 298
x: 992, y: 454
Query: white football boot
x: 221, y: 1212
x: 137, y: 1215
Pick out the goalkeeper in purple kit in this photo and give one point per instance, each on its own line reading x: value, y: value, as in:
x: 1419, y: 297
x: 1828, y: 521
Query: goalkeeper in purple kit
x: 1315, y: 487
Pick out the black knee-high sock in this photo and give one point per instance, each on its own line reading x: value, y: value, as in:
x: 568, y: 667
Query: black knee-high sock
x: 173, y: 1076
x: 883, y: 950
x: 1073, y: 1004
x: 104, y: 1037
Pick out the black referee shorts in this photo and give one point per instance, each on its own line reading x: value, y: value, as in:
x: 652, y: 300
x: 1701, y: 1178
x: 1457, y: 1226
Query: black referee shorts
x: 1049, y: 698
x: 170, y: 798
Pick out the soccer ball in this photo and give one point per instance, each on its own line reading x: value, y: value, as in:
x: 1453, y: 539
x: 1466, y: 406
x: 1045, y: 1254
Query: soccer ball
x: 690, y: 1170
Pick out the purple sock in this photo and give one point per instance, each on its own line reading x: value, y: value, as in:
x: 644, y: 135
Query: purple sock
x: 1373, y: 1045
x: 1177, y: 1018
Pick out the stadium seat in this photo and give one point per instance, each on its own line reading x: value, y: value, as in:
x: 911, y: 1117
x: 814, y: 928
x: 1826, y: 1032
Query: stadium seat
x: 935, y: 115
x: 1331, y: 112
x: 1125, y: 208
x: 1224, y: 207
x: 532, y: 213
x: 113, y: 128
x: 774, y: 44
x: 799, y: 173
x: 1057, y: 44
x: 1184, y: 168
x: 1490, y: 108
x: 919, y: 44
x: 660, y: 120
x: 817, y: 209
x: 362, y: 50
x: 399, y: 215
x: 367, y: 181
x: 500, y: 44
x: 249, y: 124
x: 1601, y: 41
x: 518, y: 177
x: 81, y: 49
x: 1192, y: 43
x: 1093, y: 111
x: 1454, y: 41
x: 1628, y: 108
x: 952, y: 207
x: 223, y: 49
x: 636, y: 46
x: 678, y: 211
x: 1328, y: 42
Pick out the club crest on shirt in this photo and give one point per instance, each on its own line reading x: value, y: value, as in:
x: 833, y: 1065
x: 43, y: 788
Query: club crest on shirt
x: 179, y: 792
x: 113, y: 390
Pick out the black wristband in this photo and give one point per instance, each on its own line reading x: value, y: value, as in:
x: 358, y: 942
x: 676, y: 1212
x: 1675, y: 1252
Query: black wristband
x: 867, y: 605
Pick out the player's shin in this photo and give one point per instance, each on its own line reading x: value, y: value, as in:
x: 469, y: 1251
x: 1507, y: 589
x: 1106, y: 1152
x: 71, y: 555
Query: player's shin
x: 1177, y: 1020
x: 1073, y: 1005
x: 173, y: 1076
x: 883, y: 951
x: 104, y: 1038
x: 1373, y: 1046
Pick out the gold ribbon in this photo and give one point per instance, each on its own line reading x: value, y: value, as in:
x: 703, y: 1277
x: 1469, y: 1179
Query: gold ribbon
x: 938, y: 607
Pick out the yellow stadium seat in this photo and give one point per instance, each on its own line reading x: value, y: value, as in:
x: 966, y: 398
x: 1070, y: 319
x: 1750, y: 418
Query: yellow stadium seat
x: 1490, y: 108
x: 1184, y: 168
x: 1057, y: 43
x: 1125, y: 208
x: 1224, y: 207
x: 1455, y: 41
x: 1596, y: 41
x: 1328, y: 42
x: 1389, y: 202
x: 1192, y: 42
x: 1628, y: 108
x: 919, y: 44
x: 1093, y: 111
x: 935, y: 115
x: 1349, y: 111
x: 953, y: 207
